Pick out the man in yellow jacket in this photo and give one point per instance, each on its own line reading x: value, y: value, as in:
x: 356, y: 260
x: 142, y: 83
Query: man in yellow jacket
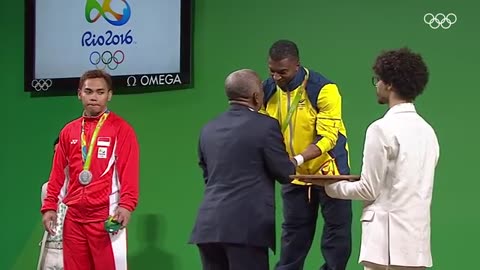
x: 308, y: 107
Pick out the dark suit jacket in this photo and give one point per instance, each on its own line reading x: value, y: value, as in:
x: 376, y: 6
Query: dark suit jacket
x: 241, y: 153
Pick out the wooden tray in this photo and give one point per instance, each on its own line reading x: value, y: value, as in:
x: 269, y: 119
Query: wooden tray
x: 320, y: 178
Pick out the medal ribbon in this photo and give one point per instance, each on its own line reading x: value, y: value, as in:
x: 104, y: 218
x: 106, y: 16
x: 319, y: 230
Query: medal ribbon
x: 87, y: 156
x: 293, y: 106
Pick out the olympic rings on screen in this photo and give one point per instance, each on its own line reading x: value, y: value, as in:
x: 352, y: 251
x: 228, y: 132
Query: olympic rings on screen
x: 107, y: 59
x: 41, y: 84
x: 440, y: 20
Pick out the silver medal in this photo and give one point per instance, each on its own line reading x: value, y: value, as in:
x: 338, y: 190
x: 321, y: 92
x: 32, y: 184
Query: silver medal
x: 85, y: 177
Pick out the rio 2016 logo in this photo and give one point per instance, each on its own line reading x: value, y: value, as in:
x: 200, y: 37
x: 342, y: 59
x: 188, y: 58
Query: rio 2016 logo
x: 104, y: 58
x: 105, y: 9
x: 107, y: 38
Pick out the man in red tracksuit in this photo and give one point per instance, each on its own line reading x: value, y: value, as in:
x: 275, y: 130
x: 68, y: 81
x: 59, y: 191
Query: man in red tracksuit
x: 99, y: 154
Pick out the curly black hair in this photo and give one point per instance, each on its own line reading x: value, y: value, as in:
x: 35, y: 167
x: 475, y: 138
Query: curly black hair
x: 282, y: 49
x: 404, y: 70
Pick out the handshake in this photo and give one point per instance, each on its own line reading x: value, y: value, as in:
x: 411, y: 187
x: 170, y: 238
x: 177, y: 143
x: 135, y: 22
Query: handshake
x: 297, y: 160
x: 321, y: 179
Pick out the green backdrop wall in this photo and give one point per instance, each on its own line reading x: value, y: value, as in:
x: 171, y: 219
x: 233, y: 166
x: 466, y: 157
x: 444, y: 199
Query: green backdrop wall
x: 339, y: 39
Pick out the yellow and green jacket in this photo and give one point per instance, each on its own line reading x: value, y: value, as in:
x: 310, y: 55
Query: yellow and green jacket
x: 316, y: 119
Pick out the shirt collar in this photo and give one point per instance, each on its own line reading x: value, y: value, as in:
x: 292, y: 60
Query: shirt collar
x: 401, y: 108
x: 236, y: 106
x: 93, y: 117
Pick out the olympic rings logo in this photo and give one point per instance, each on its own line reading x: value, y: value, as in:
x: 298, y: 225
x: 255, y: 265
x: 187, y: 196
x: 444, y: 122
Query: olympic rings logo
x: 107, y: 59
x: 41, y: 84
x: 440, y: 20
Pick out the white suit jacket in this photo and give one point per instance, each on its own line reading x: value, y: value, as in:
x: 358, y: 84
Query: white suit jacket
x: 400, y: 155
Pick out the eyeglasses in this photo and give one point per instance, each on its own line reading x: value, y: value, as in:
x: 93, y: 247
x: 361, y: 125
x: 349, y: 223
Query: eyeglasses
x: 374, y: 80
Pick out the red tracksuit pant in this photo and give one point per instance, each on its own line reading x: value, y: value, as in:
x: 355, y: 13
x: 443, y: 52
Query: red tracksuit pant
x: 87, y: 246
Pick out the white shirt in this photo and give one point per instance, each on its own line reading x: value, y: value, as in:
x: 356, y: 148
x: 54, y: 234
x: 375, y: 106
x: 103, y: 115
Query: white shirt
x: 399, y: 160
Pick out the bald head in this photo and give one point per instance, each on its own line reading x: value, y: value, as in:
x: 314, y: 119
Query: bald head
x: 242, y: 84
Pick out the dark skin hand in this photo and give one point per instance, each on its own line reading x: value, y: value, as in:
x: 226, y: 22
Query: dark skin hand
x: 311, y: 152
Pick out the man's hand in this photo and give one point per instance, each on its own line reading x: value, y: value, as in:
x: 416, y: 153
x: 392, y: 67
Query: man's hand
x: 311, y: 152
x: 122, y: 216
x: 49, y: 220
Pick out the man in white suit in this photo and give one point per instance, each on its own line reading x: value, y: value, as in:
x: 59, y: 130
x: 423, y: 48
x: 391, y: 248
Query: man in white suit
x: 399, y: 160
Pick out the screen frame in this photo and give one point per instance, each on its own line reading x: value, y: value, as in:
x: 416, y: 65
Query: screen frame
x: 134, y: 82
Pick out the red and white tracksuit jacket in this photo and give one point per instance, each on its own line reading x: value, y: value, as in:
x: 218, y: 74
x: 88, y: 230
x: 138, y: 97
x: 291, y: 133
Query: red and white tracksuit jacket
x: 115, y: 182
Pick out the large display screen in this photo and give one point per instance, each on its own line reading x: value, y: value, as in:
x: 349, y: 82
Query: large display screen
x: 140, y: 43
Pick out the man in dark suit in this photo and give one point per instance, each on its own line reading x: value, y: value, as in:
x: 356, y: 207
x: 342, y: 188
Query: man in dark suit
x: 241, y: 154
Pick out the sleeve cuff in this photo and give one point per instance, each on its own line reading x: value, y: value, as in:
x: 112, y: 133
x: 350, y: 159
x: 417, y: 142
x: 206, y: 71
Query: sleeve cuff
x: 322, y: 144
x: 48, y: 208
x: 129, y: 207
